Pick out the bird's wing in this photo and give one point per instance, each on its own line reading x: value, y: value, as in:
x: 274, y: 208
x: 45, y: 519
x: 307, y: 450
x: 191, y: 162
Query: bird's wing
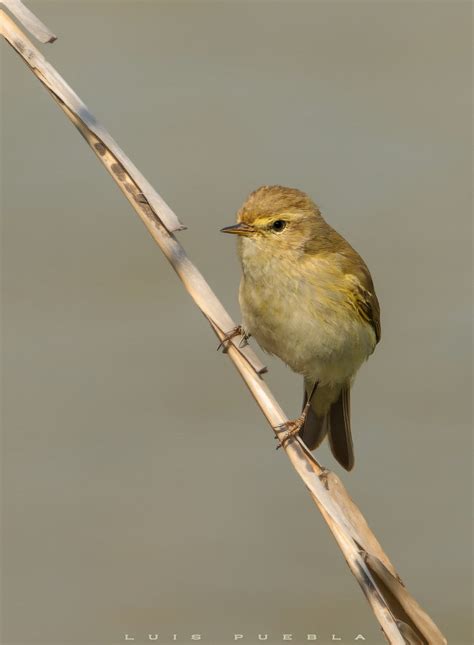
x: 339, y: 253
x: 362, y: 289
x: 368, y: 307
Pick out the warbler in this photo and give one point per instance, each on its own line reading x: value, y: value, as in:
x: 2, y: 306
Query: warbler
x: 307, y: 297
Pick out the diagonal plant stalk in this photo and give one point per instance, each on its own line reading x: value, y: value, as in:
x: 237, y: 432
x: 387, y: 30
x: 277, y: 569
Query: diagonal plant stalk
x: 400, y: 617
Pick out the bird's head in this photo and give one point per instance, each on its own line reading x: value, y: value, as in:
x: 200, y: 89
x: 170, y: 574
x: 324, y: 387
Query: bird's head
x: 277, y: 219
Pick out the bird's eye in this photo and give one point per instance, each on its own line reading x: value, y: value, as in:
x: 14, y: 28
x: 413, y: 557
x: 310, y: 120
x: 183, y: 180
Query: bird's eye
x: 278, y: 225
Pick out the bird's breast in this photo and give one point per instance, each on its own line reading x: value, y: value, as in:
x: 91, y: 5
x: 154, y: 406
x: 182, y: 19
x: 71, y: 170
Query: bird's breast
x: 302, y: 313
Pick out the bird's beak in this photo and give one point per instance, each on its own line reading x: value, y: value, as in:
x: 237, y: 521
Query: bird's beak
x: 239, y: 229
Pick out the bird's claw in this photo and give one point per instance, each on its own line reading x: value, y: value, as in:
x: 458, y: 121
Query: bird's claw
x: 292, y: 429
x: 236, y: 331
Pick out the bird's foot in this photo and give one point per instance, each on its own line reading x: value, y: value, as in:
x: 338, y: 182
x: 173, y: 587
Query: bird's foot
x: 236, y: 331
x: 292, y: 429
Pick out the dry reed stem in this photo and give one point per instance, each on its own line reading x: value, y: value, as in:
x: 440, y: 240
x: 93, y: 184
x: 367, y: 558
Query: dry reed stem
x: 29, y: 21
x: 401, y: 618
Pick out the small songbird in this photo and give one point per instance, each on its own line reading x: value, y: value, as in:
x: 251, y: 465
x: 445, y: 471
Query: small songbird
x: 307, y: 296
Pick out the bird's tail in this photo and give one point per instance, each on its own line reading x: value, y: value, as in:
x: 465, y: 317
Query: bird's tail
x: 333, y: 420
x: 340, y: 436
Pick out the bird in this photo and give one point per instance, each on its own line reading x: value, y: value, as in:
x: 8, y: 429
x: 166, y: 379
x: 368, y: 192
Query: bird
x: 307, y: 297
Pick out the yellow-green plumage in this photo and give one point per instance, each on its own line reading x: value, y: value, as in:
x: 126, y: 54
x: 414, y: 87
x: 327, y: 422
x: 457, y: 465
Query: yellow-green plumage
x: 307, y: 297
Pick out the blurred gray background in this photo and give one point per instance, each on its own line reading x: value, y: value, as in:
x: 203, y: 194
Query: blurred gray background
x: 141, y: 489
